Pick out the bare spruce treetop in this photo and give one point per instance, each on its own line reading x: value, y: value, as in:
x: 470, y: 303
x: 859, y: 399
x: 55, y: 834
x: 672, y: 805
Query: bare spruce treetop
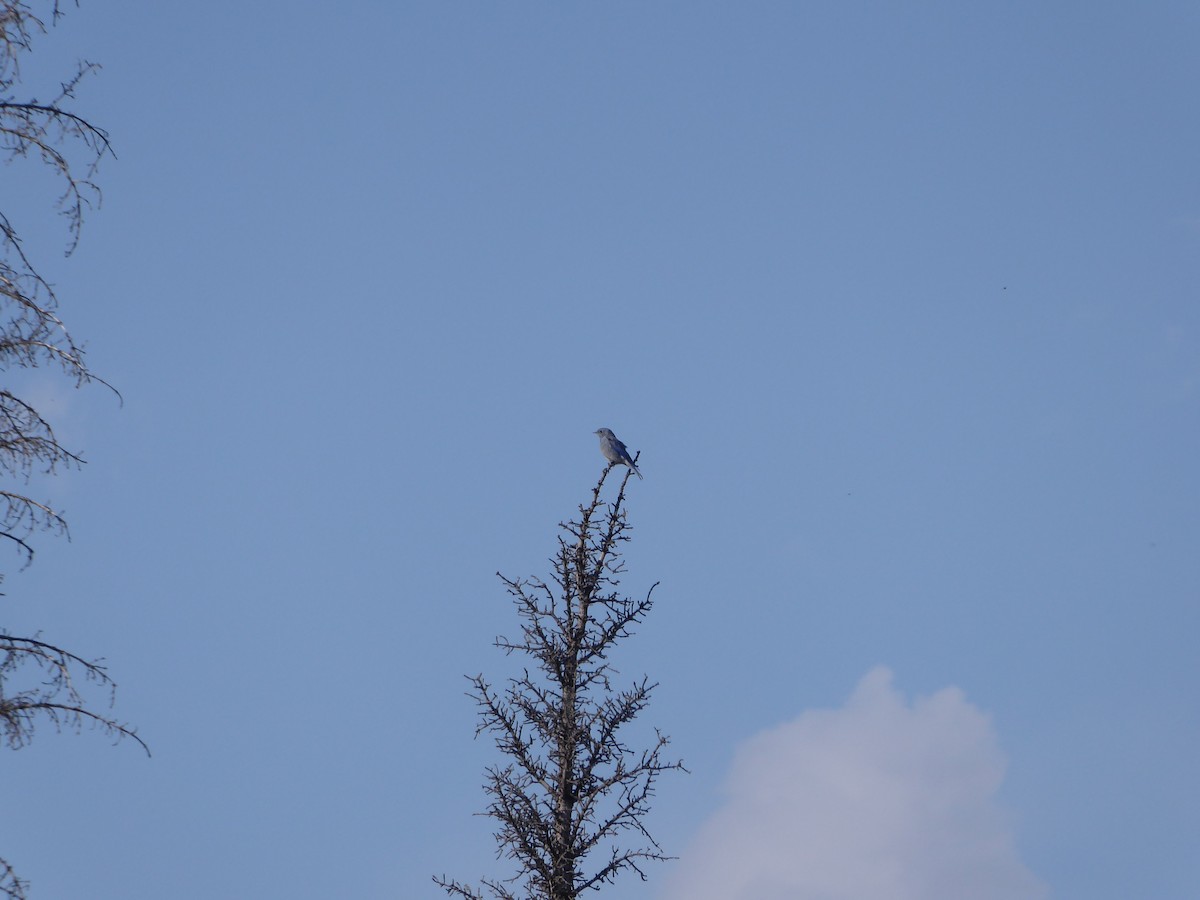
x: 571, y: 797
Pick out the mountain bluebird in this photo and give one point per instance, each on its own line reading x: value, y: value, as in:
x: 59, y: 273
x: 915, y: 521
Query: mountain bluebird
x: 614, y: 451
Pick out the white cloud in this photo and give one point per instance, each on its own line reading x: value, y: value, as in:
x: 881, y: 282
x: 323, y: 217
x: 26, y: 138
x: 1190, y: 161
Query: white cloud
x: 878, y: 800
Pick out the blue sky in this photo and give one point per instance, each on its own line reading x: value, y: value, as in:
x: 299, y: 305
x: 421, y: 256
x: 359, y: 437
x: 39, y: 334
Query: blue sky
x: 899, y: 306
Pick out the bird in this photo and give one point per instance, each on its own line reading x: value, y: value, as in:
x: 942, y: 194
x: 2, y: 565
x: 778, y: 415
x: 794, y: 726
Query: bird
x: 614, y: 451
